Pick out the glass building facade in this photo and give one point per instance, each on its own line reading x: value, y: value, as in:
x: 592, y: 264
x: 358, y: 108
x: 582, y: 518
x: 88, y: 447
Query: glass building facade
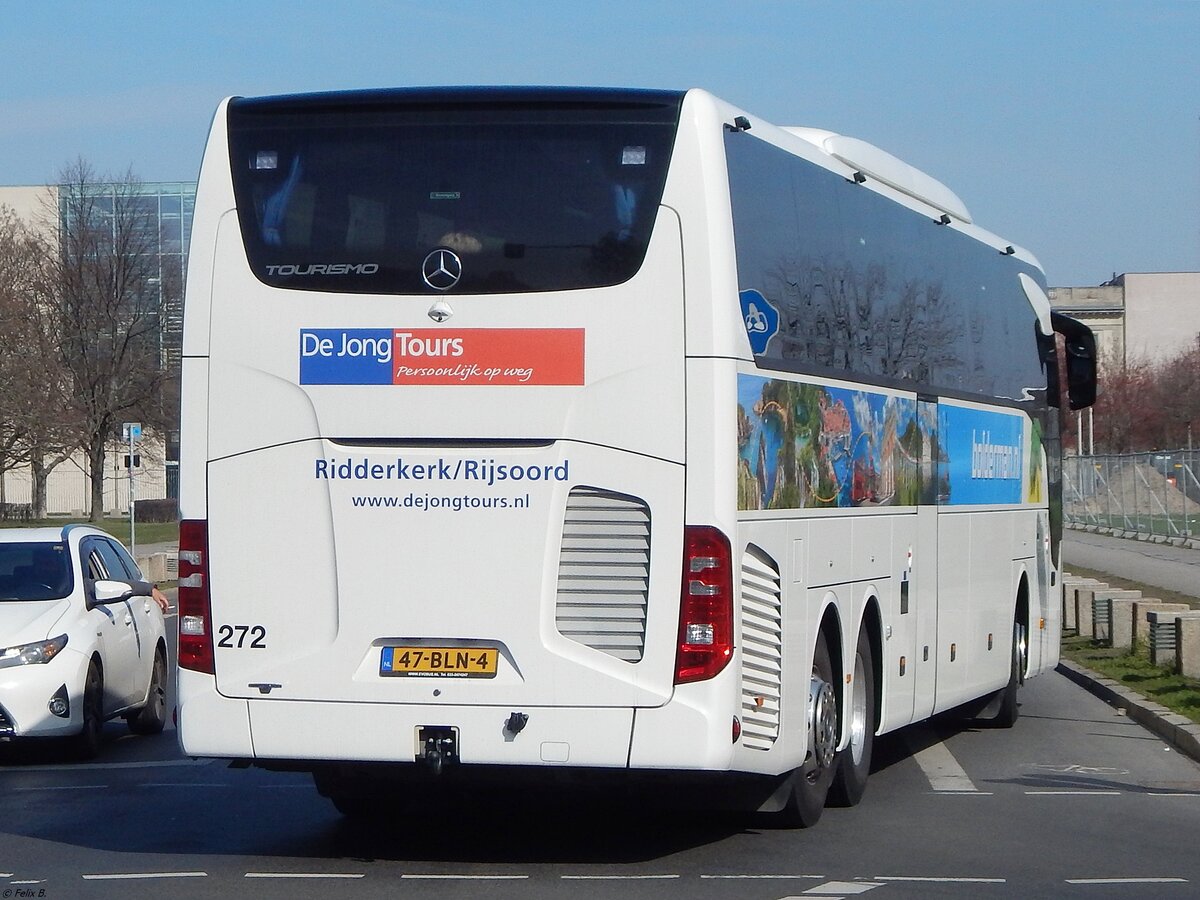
x: 165, y: 210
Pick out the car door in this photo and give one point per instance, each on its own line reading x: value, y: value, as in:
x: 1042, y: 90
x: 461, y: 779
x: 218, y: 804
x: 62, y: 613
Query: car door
x: 116, y: 626
x: 147, y: 620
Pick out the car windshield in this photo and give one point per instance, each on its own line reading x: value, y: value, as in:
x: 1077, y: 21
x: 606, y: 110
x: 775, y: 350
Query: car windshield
x: 34, y: 571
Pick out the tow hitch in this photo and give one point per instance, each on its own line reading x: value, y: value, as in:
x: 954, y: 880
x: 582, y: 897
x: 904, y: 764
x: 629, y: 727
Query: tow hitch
x: 437, y: 746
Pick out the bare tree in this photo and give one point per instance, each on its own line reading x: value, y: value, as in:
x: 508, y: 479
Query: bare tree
x: 105, y: 299
x: 35, y: 424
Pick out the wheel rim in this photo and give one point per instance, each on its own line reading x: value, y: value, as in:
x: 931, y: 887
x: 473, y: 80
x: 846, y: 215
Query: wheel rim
x: 858, y: 711
x: 1020, y: 651
x: 93, y: 709
x: 822, y: 740
x: 158, y: 694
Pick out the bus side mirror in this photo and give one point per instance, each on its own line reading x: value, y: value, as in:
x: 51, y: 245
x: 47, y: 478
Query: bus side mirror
x: 1080, y: 346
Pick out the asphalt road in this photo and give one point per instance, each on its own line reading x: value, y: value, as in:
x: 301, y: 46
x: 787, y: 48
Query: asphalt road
x: 1075, y: 801
x: 1160, y: 565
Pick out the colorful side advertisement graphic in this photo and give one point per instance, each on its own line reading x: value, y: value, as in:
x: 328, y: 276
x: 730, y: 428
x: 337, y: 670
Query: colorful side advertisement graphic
x: 429, y: 356
x: 803, y: 445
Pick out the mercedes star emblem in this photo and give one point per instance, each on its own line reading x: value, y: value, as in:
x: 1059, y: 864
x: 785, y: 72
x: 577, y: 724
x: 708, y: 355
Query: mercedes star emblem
x: 441, y: 269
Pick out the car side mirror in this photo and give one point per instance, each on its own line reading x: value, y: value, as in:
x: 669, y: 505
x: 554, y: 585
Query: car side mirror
x: 112, y: 591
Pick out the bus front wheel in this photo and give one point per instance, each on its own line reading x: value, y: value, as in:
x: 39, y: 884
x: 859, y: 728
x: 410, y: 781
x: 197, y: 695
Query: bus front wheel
x: 1009, y: 711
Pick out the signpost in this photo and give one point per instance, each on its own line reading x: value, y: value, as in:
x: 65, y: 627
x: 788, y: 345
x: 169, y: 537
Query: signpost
x: 131, y: 432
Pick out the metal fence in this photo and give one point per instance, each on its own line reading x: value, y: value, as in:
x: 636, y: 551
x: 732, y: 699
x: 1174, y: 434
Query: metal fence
x: 1145, y: 494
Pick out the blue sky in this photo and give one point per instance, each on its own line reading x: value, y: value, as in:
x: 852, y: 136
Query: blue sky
x: 1071, y: 127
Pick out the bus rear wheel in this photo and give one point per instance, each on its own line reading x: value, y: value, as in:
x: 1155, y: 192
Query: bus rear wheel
x: 811, y: 782
x: 854, y: 763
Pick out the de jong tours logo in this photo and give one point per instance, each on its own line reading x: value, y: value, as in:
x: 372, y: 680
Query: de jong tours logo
x: 429, y: 356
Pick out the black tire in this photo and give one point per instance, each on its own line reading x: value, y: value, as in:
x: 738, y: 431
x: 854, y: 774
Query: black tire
x: 810, y: 783
x: 1009, y: 710
x: 854, y: 763
x: 87, y: 742
x: 152, y: 717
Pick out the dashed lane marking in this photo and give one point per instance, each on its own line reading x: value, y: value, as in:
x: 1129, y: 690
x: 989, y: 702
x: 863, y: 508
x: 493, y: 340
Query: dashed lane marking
x: 1072, y: 793
x: 617, y: 877
x: 940, y: 879
x: 767, y: 877
x: 1127, y: 881
x: 305, y: 875
x: 452, y: 877
x: 74, y: 767
x: 121, y: 876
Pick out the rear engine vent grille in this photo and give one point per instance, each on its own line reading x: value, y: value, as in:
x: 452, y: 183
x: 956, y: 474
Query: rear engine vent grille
x: 604, y: 572
x: 762, y: 650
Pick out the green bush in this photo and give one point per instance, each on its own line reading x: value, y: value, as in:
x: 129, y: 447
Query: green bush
x: 156, y: 510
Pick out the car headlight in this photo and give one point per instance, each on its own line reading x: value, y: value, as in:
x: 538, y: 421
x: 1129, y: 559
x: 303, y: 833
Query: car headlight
x: 32, y: 654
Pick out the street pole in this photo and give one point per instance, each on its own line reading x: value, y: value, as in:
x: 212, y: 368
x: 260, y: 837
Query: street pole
x: 132, y: 538
x: 133, y: 433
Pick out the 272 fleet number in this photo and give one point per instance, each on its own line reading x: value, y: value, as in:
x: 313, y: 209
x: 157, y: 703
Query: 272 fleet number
x: 257, y: 635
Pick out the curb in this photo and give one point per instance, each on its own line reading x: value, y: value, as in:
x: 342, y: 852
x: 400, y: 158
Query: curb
x: 1179, y: 731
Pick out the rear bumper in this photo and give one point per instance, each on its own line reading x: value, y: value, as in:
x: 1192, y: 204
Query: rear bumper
x: 677, y: 735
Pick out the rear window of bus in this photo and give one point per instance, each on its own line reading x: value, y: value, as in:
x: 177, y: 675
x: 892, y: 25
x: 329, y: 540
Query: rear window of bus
x: 531, y: 194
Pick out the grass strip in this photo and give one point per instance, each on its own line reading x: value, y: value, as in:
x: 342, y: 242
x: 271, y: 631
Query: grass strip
x: 1132, y: 668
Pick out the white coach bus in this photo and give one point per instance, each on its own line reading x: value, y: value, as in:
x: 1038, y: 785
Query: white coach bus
x: 543, y: 436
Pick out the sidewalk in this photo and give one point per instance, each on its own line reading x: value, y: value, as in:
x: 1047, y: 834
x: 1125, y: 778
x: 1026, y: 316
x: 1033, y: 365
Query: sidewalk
x: 1155, y: 564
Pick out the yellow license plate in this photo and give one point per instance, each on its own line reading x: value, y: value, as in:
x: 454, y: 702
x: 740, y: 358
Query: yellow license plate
x: 433, y: 662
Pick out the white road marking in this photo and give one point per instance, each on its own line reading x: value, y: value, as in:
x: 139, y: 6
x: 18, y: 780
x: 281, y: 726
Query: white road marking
x: 615, y: 877
x: 781, y: 877
x: 943, y: 771
x: 133, y: 875
x: 73, y: 767
x: 939, y: 879
x: 1073, y: 793
x: 1127, y: 881
x: 1169, y: 794
x: 841, y: 888
x: 448, y: 877
x: 305, y: 875
x: 964, y: 793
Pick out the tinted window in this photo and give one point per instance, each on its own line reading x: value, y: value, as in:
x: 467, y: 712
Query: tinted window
x: 354, y: 194
x: 105, y: 561
x: 867, y: 287
x: 34, y: 571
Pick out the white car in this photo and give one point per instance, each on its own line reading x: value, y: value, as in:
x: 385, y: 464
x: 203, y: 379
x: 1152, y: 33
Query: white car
x: 81, y: 638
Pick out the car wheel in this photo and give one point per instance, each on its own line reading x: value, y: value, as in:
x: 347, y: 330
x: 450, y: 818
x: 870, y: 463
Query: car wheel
x: 87, y: 742
x: 152, y: 717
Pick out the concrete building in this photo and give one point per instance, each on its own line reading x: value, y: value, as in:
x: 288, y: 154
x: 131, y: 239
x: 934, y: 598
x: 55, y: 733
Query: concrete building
x: 1137, y: 316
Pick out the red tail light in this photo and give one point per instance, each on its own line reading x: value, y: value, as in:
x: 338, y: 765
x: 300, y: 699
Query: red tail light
x: 195, y: 613
x: 705, y: 606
